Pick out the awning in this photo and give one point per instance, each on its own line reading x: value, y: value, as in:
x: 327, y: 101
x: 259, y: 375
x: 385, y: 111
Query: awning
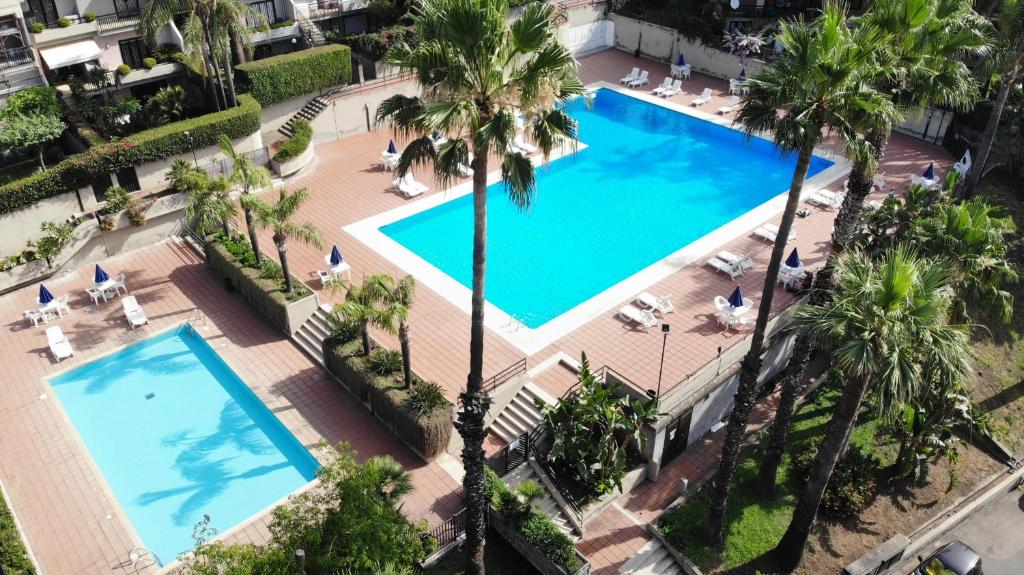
x: 68, y: 54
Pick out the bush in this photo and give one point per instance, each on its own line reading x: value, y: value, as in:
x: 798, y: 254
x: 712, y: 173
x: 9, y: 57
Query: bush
x: 281, y: 78
x: 123, y: 70
x: 425, y: 397
x: 13, y: 556
x: 63, y: 22
x: 117, y: 200
x: 383, y: 361
x: 89, y: 16
x: 294, y: 146
x: 375, y: 44
x: 852, y: 487
x: 146, y: 146
x: 282, y: 24
x: 34, y: 101
x: 149, y: 63
x: 136, y: 214
x: 37, y: 27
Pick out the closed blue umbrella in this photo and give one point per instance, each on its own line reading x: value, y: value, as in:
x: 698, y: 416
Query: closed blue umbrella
x: 101, y: 276
x: 743, y: 73
x: 929, y: 174
x: 392, y: 148
x: 335, y: 256
x: 736, y: 299
x: 681, y: 61
x: 44, y: 294
x: 793, y: 261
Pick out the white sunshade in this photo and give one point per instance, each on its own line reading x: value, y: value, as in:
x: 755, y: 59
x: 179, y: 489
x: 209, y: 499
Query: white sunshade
x: 68, y: 54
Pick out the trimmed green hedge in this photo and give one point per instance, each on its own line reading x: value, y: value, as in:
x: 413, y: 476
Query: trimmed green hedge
x: 281, y: 78
x: 295, y: 145
x: 147, y: 146
x: 13, y: 556
x: 427, y: 435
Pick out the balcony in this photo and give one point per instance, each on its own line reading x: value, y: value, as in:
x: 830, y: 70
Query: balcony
x: 324, y: 9
x: 16, y: 57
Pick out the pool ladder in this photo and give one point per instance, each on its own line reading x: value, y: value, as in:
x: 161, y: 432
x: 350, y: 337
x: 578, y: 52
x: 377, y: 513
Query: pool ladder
x: 196, y: 317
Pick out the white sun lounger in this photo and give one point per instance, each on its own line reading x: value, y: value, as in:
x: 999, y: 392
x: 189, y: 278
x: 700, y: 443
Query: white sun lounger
x: 676, y: 88
x: 133, y: 312
x: 633, y: 75
x: 60, y: 347
x: 633, y: 314
x: 408, y: 185
x: 769, y: 232
x: 523, y: 146
x: 641, y: 81
x: 744, y: 262
x: 733, y: 102
x: 726, y: 267
x: 661, y: 305
x: 826, y: 199
x: 665, y: 85
x: 704, y: 98
x: 964, y: 165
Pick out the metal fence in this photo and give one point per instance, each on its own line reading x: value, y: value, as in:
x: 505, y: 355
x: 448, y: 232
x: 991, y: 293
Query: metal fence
x: 225, y: 167
x: 505, y: 375
x: 511, y: 456
x: 448, y: 532
x: 15, y: 57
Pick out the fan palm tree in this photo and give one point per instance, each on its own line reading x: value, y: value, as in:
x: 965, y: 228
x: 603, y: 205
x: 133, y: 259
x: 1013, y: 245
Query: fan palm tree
x: 887, y: 320
x: 819, y: 83
x: 919, y: 64
x: 232, y: 34
x: 276, y: 218
x: 209, y: 201
x: 368, y: 305
x: 401, y: 293
x: 477, y: 69
x: 392, y: 481
x: 1007, y: 62
x: 245, y: 173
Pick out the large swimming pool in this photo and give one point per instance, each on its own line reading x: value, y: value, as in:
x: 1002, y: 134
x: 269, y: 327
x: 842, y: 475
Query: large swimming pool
x: 177, y: 435
x: 650, y: 181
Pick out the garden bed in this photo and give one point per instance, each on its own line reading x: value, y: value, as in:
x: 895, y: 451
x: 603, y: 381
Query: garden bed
x: 14, y: 559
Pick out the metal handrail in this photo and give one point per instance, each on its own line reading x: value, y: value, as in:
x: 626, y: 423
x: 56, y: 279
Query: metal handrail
x: 511, y: 456
x: 504, y: 375
x: 16, y: 57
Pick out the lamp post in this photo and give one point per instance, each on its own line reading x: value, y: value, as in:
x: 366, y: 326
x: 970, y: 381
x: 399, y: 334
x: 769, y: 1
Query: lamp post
x: 656, y: 394
x: 194, y: 158
x: 300, y: 554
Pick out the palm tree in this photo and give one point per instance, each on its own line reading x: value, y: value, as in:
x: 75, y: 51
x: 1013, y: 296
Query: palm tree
x: 818, y: 82
x: 245, y: 173
x: 209, y: 201
x: 231, y: 32
x: 277, y: 218
x: 391, y: 480
x: 920, y: 64
x: 401, y: 294
x: 362, y: 308
x: 1007, y: 61
x: 887, y: 320
x: 477, y: 70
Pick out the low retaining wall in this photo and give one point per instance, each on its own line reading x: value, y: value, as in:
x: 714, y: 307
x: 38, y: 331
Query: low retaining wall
x: 541, y: 563
x: 287, y: 168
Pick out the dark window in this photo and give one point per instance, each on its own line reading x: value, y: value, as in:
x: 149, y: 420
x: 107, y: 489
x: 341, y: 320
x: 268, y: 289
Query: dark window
x: 133, y: 51
x: 44, y: 11
x: 126, y: 8
x: 264, y: 7
x: 127, y: 179
x: 100, y: 186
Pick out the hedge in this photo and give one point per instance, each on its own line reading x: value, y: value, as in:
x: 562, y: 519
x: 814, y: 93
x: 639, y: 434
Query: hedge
x: 147, y: 146
x: 281, y: 78
x: 297, y: 143
x: 428, y: 436
x: 13, y: 555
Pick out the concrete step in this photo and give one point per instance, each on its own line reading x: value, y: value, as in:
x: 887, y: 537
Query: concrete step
x: 546, y: 505
x: 652, y: 559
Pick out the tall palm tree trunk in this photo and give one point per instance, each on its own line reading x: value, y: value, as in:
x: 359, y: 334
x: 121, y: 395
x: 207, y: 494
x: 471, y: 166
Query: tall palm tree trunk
x: 210, y: 84
x: 746, y: 393
x: 232, y: 97
x: 250, y: 227
x: 858, y: 187
x: 988, y: 138
x: 790, y: 550
x: 213, y: 62
x: 474, y: 401
x: 282, y: 254
x: 403, y: 341
x: 365, y: 333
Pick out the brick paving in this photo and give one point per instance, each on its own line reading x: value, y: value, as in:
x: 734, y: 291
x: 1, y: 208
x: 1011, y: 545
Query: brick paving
x: 63, y: 502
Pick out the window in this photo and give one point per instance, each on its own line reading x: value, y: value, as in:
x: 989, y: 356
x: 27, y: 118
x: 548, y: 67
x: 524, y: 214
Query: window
x: 133, y: 51
x: 127, y: 179
x: 100, y: 186
x: 264, y: 7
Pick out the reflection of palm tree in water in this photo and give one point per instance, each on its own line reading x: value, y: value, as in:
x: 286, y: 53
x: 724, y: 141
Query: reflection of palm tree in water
x: 207, y: 477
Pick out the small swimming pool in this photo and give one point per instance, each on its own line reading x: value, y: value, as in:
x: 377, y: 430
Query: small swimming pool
x: 651, y: 181
x: 177, y: 435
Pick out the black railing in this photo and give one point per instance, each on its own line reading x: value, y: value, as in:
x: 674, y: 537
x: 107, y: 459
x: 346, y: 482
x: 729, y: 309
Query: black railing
x: 328, y: 8
x: 122, y: 20
x: 15, y: 57
x: 505, y: 375
x: 573, y: 503
x: 511, y: 456
x: 448, y: 532
x: 225, y: 167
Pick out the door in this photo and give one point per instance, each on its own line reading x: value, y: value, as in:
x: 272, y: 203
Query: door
x: 677, y: 436
x: 100, y: 185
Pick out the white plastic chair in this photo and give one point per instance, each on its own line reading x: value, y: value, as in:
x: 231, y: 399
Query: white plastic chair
x: 665, y: 85
x: 325, y: 278
x: 389, y: 161
x: 63, y: 305
x: 34, y: 316
x: 733, y: 102
x: 725, y: 267
x: 768, y: 233
x: 676, y: 88
x: 641, y: 81
x: 643, y: 317
x: 523, y: 146
x: 60, y: 347
x: 744, y: 262
x: 119, y: 284
x: 408, y: 185
x: 633, y: 75
x: 133, y: 312
x: 704, y: 98
x: 661, y: 305
x: 96, y: 295
x: 826, y: 199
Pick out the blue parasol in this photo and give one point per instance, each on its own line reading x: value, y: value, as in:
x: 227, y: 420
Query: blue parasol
x: 101, y: 276
x: 681, y: 61
x: 743, y: 73
x: 929, y: 174
x: 793, y: 261
x: 44, y: 294
x: 392, y: 148
x: 335, y: 256
x: 736, y: 299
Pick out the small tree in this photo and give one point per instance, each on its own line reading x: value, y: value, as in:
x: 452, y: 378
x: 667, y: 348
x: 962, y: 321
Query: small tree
x: 276, y: 217
x: 209, y: 201
x: 33, y: 131
x: 592, y: 431
x: 400, y: 294
x: 246, y: 174
x: 363, y: 307
x: 50, y: 245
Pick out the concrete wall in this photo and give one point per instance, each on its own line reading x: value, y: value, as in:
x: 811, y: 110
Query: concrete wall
x: 580, y: 15
x: 151, y: 175
x: 23, y: 224
x: 111, y: 57
x: 664, y: 44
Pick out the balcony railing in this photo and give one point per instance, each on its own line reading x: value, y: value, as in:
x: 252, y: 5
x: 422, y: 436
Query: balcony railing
x: 320, y: 9
x: 124, y: 19
x: 15, y: 57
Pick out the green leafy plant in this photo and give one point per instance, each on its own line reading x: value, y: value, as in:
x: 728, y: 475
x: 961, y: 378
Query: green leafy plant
x: 32, y: 101
x: 136, y: 213
x: 14, y: 558
x: 117, y: 199
x: 63, y: 22
x: 294, y: 146
x: 277, y: 218
x: 32, y: 132
x: 365, y: 306
x: 852, y: 487
x: 89, y: 16
x: 281, y: 78
x: 56, y: 236
x: 123, y: 70
x: 375, y: 45
x: 167, y: 105
x: 37, y: 27
x: 269, y: 269
x: 425, y: 398
x: 383, y: 361
x: 148, y: 63
x: 282, y: 24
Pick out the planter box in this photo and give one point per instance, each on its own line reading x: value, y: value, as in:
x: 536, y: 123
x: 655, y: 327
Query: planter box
x: 539, y: 561
x: 293, y: 165
x: 276, y: 33
x: 25, y: 273
x: 155, y: 73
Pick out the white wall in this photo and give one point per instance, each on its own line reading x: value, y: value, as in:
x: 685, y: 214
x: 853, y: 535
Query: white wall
x: 588, y: 37
x: 23, y: 224
x: 151, y: 175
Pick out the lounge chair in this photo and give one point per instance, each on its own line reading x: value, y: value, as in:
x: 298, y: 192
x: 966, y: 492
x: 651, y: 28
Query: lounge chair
x: 633, y: 314
x: 665, y: 85
x: 769, y: 232
x: 641, y: 81
x: 733, y: 102
x: 826, y: 199
x: 60, y: 347
x: 133, y: 312
x: 725, y: 267
x: 964, y: 165
x: 523, y: 146
x: 408, y: 185
x: 704, y: 98
x: 661, y: 305
x: 744, y: 262
x: 325, y: 278
x: 676, y: 88
x: 633, y: 75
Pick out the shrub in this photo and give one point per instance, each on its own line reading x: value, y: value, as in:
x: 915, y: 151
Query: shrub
x: 149, y: 63
x: 383, y: 361
x: 63, y: 22
x: 37, y: 100
x: 852, y: 486
x: 89, y: 16
x: 117, y: 200
x: 281, y: 78
x: 146, y: 146
x: 123, y: 70
x: 282, y: 24
x: 13, y: 556
x: 294, y: 146
x: 37, y: 27
x: 136, y: 214
x: 424, y: 398
x: 374, y: 45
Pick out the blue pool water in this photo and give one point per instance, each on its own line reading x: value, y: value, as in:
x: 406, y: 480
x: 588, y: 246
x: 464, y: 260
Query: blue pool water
x: 650, y: 182
x: 203, y: 443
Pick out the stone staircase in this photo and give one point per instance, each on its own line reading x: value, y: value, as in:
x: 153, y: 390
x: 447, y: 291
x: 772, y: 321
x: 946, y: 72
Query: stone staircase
x: 310, y: 31
x: 652, y: 559
x: 309, y: 112
x: 548, y: 506
x: 312, y: 334
x: 521, y: 415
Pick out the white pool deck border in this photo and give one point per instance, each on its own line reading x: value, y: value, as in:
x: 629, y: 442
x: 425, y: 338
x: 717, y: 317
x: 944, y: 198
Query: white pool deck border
x: 532, y: 340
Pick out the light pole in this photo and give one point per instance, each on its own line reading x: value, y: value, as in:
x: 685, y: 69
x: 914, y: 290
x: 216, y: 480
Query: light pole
x: 194, y: 158
x: 656, y: 394
x: 300, y: 554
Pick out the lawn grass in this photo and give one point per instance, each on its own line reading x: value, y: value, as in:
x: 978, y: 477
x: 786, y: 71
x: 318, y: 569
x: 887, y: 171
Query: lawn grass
x: 753, y: 524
